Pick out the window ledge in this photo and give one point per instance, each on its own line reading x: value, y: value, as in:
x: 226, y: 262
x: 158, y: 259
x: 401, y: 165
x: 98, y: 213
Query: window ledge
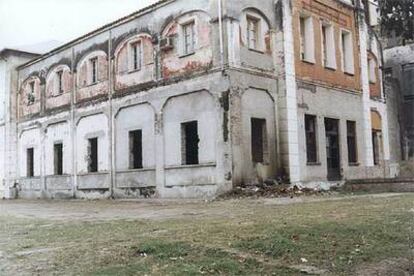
x: 349, y: 73
x: 256, y: 50
x: 134, y: 71
x: 330, y: 68
x: 58, y: 175
x: 136, y: 170
x: 93, y: 173
x: 187, y: 55
x: 313, y: 164
x: 312, y: 62
x: 354, y: 164
x: 91, y: 84
x: 213, y: 164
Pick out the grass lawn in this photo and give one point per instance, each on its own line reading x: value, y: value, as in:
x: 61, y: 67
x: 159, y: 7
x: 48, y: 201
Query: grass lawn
x: 250, y: 237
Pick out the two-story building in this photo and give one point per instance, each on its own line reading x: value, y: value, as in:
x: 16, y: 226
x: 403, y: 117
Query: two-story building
x: 192, y: 98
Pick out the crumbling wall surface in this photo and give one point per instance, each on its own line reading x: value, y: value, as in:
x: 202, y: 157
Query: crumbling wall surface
x: 57, y: 96
x: 125, y: 73
x: 239, y: 52
x: 177, y: 61
x: 341, y: 17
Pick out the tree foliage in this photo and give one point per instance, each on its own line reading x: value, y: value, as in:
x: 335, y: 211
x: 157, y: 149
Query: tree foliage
x: 397, y: 18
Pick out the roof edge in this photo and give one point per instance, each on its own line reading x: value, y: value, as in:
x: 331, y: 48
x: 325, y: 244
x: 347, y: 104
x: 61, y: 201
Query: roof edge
x: 97, y: 31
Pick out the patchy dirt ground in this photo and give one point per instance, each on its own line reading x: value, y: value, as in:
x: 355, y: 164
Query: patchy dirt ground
x: 321, y: 234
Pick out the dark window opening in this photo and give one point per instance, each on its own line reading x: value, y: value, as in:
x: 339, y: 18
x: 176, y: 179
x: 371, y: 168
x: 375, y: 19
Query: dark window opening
x: 94, y: 63
x: 259, y: 140
x: 352, y: 142
x: 60, y: 82
x: 190, y: 141
x: 58, y: 159
x: 32, y: 87
x: 376, y: 146
x: 30, y: 162
x: 93, y: 155
x: 311, y: 144
x: 135, y: 149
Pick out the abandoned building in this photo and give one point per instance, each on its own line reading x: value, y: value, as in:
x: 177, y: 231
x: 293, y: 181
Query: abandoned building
x: 191, y: 98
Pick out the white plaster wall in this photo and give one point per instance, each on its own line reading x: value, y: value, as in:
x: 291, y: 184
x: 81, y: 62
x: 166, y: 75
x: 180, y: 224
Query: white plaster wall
x: 58, y: 133
x: 2, y: 90
x: 134, y: 118
x: 30, y: 139
x: 196, y: 106
x: 2, y: 163
x: 91, y: 127
x: 258, y: 104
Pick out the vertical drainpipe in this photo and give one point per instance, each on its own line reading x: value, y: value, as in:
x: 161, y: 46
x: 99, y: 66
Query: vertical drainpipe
x: 73, y: 128
x: 111, y: 119
x: 220, y: 20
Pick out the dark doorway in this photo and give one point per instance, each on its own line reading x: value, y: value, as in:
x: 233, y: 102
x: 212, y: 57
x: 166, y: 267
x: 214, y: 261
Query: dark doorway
x: 259, y: 140
x: 135, y: 149
x: 332, y: 149
x: 58, y: 158
x: 93, y: 155
x: 190, y: 141
x: 30, y: 162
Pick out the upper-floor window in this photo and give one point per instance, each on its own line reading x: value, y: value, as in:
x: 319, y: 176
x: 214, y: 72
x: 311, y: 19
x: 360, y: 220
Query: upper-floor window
x: 32, y: 87
x: 94, y: 70
x: 31, y: 94
x: 372, y: 67
x: 59, y: 85
x: 189, y: 37
x: 136, y: 56
x: 307, y: 42
x: 253, y: 32
x: 347, y: 52
x: 328, y: 46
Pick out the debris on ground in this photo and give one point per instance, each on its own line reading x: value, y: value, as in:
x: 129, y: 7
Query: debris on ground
x: 272, y: 189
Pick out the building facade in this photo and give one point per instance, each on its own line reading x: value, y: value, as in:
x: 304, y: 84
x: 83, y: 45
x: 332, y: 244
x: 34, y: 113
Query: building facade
x: 192, y: 98
x: 9, y: 60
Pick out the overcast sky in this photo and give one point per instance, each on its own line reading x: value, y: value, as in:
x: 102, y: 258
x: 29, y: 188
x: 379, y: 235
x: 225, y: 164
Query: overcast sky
x: 28, y: 22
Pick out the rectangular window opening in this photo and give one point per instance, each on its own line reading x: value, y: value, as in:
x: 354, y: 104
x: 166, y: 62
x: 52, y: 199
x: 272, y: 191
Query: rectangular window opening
x: 136, y: 56
x: 352, y: 142
x: 259, y: 140
x: 311, y: 139
x: 328, y: 46
x: 372, y: 67
x: 60, y: 82
x: 347, y: 52
x: 94, y: 70
x: 32, y: 87
x: 189, y: 37
x: 253, y: 32
x: 307, y: 43
x: 190, y: 143
x: 135, y: 149
x: 30, y: 162
x: 93, y: 155
x: 58, y: 159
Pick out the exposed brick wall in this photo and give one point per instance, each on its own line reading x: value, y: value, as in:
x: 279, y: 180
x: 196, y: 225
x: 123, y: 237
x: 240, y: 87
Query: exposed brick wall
x: 340, y: 16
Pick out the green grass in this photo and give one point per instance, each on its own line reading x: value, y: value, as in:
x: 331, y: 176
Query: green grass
x: 249, y: 238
